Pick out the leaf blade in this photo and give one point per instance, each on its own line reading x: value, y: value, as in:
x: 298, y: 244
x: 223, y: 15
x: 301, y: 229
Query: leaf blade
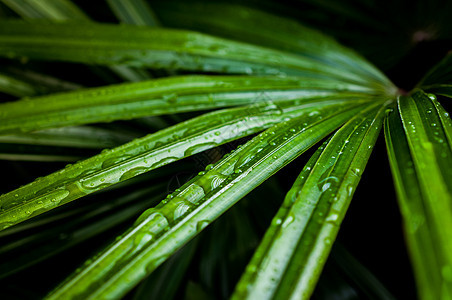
x: 254, y: 26
x: 418, y: 170
x: 290, y: 258
x: 153, y: 151
x: 136, y: 12
x: 157, y: 48
x: 156, y: 97
x: 187, y: 211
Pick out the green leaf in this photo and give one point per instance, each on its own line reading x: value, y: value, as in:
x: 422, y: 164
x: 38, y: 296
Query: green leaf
x: 136, y: 12
x: 162, y: 230
x: 419, y: 149
x: 61, y: 144
x: 21, y: 152
x: 75, y: 229
x: 155, y: 150
x: 440, y: 89
x: 77, y: 137
x: 157, y: 97
x: 61, y: 10
x: 15, y: 87
x: 41, y: 83
x: 65, y: 10
x: 290, y: 258
x: 254, y: 26
x: 159, y: 48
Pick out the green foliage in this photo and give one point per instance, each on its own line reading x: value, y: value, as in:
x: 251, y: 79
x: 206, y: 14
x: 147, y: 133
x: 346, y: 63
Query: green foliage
x: 211, y: 76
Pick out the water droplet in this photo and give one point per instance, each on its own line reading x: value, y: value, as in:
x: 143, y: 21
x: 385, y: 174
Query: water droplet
x: 153, y: 220
x: 202, y: 224
x: 164, y: 161
x: 181, y: 209
x: 332, y: 218
x: 193, y: 193
x: 350, y: 190
x: 199, y: 148
x: 313, y: 113
x: 141, y: 239
x: 325, y: 186
x: 112, y: 161
x: 431, y: 96
x: 288, y: 221
x: 130, y: 173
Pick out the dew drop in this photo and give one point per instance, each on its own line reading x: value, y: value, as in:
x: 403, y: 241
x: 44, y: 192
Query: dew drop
x: 332, y: 218
x: 350, y: 190
x: 202, y: 224
x: 288, y: 221
x: 131, y: 173
x: 180, y: 210
x: 431, y: 96
x: 326, y: 186
x: 313, y: 113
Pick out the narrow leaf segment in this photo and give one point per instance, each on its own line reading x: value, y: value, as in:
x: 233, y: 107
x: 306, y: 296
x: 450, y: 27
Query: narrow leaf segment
x: 419, y: 148
x: 159, y: 48
x: 161, y: 231
x: 157, y: 97
x: 156, y: 150
x: 289, y: 260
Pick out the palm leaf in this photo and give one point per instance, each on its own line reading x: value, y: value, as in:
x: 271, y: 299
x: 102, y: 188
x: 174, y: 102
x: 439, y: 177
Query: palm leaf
x: 15, y: 87
x: 158, y: 48
x: 300, y: 86
x: 157, y: 97
x: 254, y: 26
x: 62, y: 10
x: 65, y: 10
x: 419, y: 146
x: 440, y: 89
x: 65, y: 144
x: 91, y: 221
x: 291, y: 256
x: 135, y: 12
x: 160, y: 231
x: 154, y: 151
